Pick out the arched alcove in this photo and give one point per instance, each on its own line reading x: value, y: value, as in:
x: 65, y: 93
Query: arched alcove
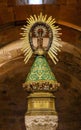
x: 13, y: 71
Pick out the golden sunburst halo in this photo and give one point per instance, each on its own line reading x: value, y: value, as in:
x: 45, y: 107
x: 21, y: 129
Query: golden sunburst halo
x: 55, y: 46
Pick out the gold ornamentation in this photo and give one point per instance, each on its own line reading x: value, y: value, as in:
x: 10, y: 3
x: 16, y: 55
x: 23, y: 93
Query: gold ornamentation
x: 41, y: 86
x: 55, y: 45
x: 41, y: 102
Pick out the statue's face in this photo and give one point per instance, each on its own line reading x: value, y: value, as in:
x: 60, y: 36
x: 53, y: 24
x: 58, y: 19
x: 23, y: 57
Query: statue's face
x: 43, y: 31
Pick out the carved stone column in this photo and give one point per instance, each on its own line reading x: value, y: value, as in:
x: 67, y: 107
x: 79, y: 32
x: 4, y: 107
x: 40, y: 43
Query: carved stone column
x: 41, y: 122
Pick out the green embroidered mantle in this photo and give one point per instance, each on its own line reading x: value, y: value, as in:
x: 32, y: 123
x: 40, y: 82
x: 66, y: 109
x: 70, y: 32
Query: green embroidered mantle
x: 40, y: 76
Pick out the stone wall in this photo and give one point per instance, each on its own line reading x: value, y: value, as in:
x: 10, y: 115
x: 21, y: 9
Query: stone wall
x: 13, y: 103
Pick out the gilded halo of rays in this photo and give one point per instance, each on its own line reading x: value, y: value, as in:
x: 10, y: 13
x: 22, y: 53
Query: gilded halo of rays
x: 55, y: 46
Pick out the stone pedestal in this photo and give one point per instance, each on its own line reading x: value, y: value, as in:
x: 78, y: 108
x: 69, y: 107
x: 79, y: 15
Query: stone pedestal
x: 41, y: 113
x: 47, y: 122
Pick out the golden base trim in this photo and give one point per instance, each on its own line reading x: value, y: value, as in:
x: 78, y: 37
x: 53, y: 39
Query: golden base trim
x: 41, y: 86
